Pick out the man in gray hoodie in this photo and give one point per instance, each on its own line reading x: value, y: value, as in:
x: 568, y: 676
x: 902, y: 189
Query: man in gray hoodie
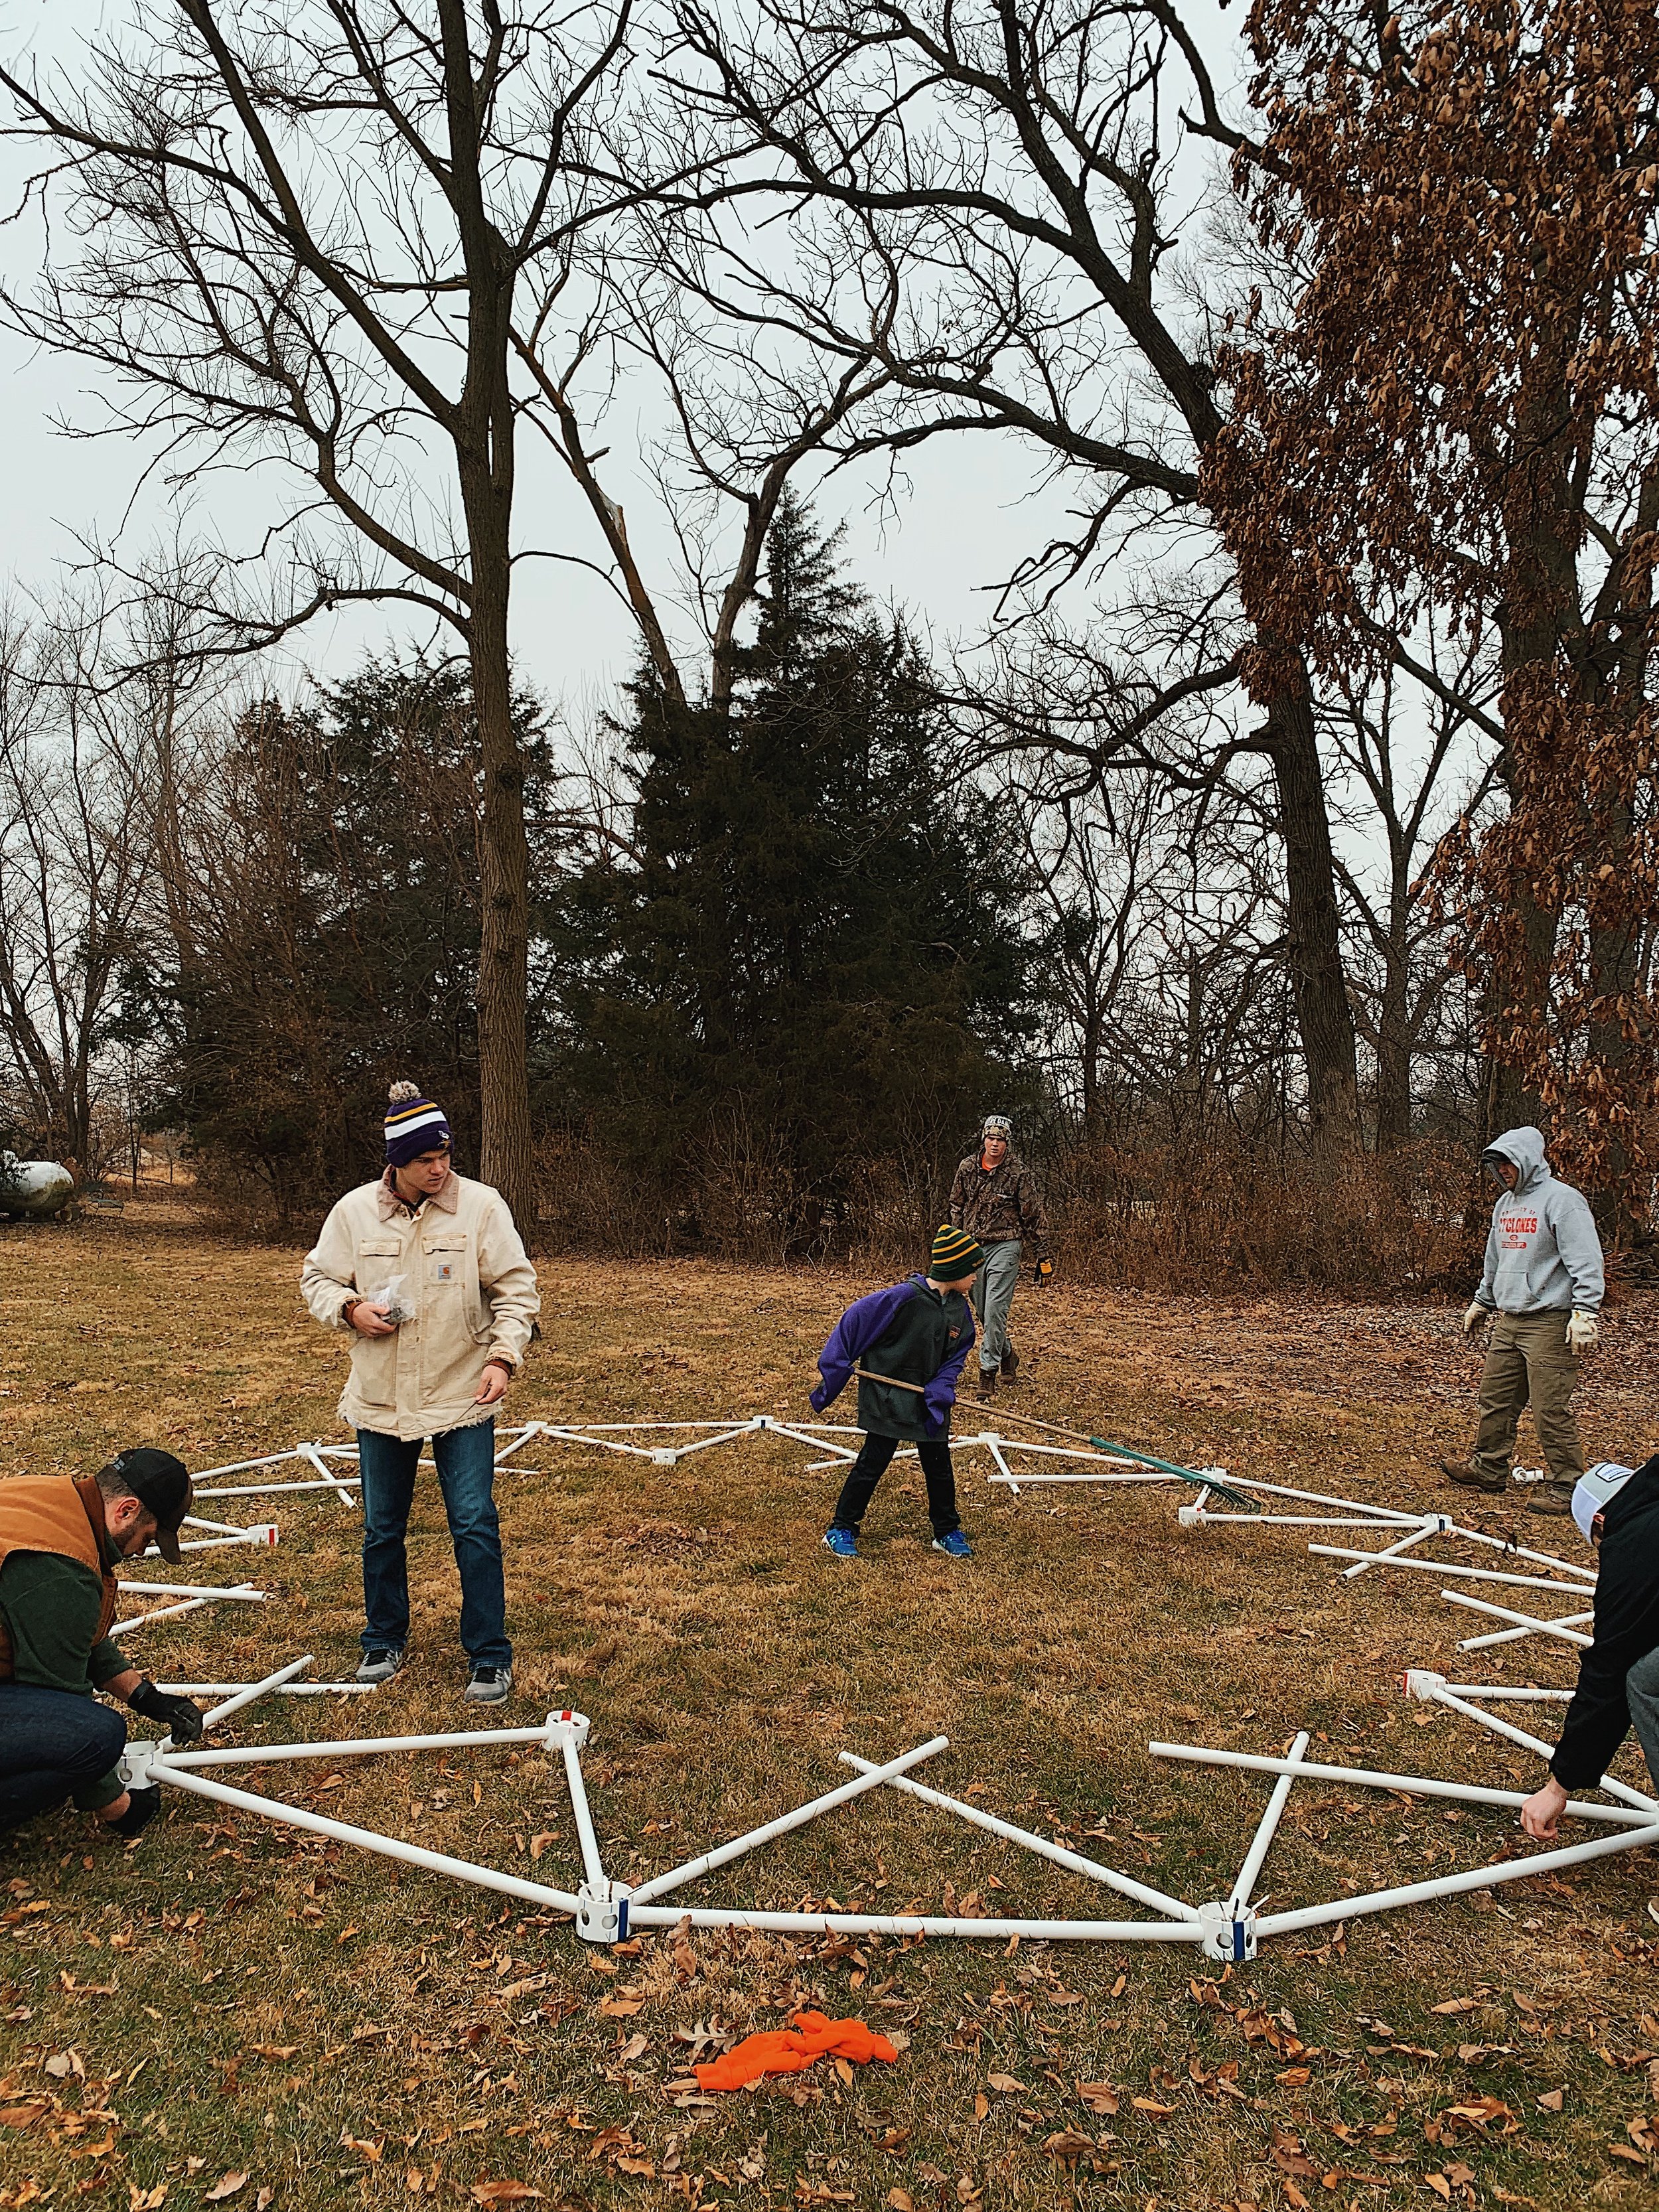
x: 1543, y: 1279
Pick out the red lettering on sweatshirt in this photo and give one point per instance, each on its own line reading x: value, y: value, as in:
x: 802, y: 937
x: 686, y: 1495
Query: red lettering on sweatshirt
x: 1516, y: 1228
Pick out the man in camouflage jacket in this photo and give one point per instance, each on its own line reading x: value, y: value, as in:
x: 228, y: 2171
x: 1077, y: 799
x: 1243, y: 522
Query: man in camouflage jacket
x: 995, y: 1198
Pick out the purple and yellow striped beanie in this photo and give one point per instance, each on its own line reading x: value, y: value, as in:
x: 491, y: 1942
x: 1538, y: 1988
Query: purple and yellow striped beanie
x: 413, y: 1124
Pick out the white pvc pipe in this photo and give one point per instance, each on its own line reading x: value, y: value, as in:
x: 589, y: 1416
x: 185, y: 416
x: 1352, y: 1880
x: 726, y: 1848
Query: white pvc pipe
x: 725, y: 1436
x: 310, y: 1452
x: 161, y: 1613
x: 1073, y: 1861
x: 1443, y: 1696
x: 1417, y: 1892
x: 534, y: 1893
x: 269, y: 1489
x: 662, y: 1883
x: 1514, y: 1635
x: 1436, y: 1567
x: 592, y: 1863
x: 219, y: 1528
x: 1065, y: 1474
x: 264, y: 1536
x: 599, y: 1444
x: 283, y: 1689
x: 1319, y: 1498
x: 1519, y: 1551
x: 1292, y: 1521
x: 1365, y: 1778
x: 993, y: 1447
x: 235, y: 1704
x: 531, y: 1429
x: 244, y: 1466
x: 1392, y: 1551
x: 243, y: 1590
x: 1503, y: 1690
x: 855, y: 1924
x: 1239, y: 1897
x: 358, y: 1746
x: 1529, y: 1625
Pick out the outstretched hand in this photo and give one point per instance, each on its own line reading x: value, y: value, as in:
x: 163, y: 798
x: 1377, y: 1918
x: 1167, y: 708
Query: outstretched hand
x: 1540, y: 1816
x: 369, y: 1319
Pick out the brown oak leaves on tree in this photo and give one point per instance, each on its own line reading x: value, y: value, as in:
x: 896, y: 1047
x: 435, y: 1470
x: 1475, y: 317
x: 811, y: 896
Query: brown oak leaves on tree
x: 1455, y: 408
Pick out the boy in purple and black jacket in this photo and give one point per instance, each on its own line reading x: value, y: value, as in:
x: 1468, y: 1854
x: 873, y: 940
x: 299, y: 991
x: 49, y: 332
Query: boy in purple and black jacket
x: 907, y: 1345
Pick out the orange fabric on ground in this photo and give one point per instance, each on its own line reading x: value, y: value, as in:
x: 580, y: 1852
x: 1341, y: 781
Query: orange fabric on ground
x: 791, y: 2049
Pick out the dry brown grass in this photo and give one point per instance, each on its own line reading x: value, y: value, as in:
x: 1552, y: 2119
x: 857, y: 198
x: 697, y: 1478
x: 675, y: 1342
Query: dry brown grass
x: 434, y: 2042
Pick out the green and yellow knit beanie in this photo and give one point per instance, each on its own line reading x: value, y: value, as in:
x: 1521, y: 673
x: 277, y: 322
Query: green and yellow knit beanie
x: 956, y: 1256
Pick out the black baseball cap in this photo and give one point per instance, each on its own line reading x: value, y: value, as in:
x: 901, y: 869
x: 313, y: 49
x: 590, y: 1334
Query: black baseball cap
x: 161, y: 1482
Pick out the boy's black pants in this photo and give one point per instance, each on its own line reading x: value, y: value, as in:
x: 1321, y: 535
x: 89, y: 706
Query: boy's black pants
x: 873, y: 1463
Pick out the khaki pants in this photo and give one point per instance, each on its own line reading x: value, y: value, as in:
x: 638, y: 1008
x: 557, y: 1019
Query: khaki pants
x: 1529, y: 1363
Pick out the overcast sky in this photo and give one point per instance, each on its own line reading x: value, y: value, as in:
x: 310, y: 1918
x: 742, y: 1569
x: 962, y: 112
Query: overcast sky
x: 971, y: 510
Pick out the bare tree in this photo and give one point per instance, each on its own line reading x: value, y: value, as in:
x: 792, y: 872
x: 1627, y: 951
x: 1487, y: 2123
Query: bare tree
x: 997, y: 193
x: 72, y: 870
x: 312, y: 234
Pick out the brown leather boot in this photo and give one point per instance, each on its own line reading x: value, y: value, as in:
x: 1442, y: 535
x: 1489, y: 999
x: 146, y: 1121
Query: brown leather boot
x: 988, y: 1382
x: 1010, y: 1363
x: 1550, y: 1496
x: 1471, y: 1477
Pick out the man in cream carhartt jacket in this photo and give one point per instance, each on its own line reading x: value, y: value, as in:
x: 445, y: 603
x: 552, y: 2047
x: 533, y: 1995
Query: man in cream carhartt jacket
x: 426, y: 1271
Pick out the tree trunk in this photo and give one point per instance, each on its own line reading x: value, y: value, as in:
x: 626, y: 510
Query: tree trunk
x: 1318, y: 986
x: 504, y: 947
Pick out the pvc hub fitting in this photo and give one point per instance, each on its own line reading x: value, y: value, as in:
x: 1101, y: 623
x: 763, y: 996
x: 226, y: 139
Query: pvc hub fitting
x: 1226, y: 1934
x: 602, y: 1912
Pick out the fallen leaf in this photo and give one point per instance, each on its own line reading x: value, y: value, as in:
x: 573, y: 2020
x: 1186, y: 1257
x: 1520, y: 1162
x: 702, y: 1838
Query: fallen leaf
x: 1454, y: 2005
x: 1441, y: 2186
x: 621, y: 2007
x: 1005, y: 2082
x: 900, y: 2200
x: 1069, y: 2144
x: 1099, y: 2096
x: 1151, y: 2104
x: 982, y: 2105
x: 21, y: 2116
x: 1551, y: 2101
x: 346, y: 1935
x: 226, y: 2187
x: 635, y: 2047
x: 274, y: 2049
x: 501, y: 2192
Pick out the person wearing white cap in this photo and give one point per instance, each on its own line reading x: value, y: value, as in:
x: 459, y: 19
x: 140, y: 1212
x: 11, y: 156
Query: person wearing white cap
x: 1616, y: 1509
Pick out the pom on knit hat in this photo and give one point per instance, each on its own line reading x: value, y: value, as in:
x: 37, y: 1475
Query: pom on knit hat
x: 956, y: 1256
x: 413, y: 1124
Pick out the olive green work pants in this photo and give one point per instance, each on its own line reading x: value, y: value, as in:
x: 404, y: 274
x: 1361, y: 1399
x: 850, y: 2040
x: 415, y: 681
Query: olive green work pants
x: 1529, y: 1363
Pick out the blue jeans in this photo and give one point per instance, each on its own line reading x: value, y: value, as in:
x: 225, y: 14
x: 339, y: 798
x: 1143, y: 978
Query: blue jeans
x: 55, y: 1744
x: 466, y: 1473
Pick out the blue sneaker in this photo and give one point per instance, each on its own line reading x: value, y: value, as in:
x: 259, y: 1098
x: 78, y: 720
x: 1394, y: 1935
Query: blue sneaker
x: 955, y: 1546
x: 841, y: 1542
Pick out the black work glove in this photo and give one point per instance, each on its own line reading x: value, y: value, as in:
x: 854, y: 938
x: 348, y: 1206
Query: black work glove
x: 1043, y: 1273
x: 181, y: 1719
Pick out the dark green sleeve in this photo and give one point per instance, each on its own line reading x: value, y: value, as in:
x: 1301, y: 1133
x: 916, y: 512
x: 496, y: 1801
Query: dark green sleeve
x: 107, y: 1661
x: 51, y: 1606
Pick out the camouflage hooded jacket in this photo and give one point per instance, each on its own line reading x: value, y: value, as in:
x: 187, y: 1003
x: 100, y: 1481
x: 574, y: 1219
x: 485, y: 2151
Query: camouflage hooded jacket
x: 1000, y: 1204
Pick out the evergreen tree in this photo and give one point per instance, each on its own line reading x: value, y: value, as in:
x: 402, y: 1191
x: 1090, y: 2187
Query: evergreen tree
x: 812, y: 963
x: 324, y: 927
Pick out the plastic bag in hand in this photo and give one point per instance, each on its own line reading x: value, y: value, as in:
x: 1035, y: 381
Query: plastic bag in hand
x: 395, y: 1298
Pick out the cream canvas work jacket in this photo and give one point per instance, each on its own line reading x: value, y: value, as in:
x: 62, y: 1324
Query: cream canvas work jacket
x: 471, y: 1283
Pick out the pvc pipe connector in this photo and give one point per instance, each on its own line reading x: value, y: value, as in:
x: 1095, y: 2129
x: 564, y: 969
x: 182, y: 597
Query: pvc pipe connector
x: 1421, y: 1685
x: 602, y: 1911
x: 1226, y: 1934
x: 567, y: 1727
x: 665, y: 1455
x: 263, y: 1531
x: 132, y: 1769
x: 1190, y: 1516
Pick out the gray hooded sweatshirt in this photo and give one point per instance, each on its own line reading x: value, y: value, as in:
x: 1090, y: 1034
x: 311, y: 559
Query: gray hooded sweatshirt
x: 1543, y: 1254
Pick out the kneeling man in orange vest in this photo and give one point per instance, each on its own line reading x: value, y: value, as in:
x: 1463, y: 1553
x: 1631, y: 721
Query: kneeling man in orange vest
x: 59, y: 1542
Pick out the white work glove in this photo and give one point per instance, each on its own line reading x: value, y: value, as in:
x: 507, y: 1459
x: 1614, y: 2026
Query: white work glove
x: 1476, y: 1318
x: 1582, y: 1332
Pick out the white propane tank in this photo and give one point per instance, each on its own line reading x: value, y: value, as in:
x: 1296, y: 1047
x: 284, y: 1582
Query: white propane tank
x: 33, y: 1190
